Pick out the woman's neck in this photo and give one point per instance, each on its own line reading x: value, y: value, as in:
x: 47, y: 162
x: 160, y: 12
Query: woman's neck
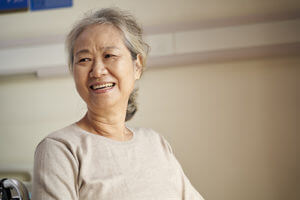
x: 111, y: 125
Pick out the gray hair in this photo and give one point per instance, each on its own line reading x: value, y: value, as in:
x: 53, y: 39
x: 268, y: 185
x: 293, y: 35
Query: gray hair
x: 133, y: 40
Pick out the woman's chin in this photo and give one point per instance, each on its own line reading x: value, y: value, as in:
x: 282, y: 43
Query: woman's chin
x: 103, y: 103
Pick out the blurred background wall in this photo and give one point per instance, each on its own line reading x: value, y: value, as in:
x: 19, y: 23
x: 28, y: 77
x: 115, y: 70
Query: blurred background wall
x: 233, y: 123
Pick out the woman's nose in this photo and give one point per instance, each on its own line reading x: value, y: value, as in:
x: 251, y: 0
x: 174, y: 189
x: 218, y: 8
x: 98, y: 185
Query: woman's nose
x: 98, y: 69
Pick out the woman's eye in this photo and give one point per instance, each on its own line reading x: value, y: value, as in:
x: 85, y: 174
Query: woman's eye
x: 84, y: 60
x: 108, y: 55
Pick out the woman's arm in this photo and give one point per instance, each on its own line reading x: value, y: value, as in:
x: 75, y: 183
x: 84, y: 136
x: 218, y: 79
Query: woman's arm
x: 189, y: 192
x: 55, y: 172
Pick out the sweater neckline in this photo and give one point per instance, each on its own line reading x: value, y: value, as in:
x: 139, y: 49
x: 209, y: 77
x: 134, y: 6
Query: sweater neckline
x: 106, y: 138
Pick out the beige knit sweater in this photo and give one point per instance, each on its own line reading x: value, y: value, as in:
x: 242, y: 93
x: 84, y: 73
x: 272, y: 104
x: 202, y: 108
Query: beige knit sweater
x: 73, y: 164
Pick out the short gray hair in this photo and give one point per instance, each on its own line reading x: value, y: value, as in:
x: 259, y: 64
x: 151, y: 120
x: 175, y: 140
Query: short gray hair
x: 133, y: 40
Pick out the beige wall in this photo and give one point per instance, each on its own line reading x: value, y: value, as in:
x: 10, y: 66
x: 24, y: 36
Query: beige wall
x: 233, y: 126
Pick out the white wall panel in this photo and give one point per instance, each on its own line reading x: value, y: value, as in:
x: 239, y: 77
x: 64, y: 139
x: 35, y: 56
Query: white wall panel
x: 238, y: 37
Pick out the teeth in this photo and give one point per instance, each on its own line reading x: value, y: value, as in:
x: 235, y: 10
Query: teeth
x: 95, y: 87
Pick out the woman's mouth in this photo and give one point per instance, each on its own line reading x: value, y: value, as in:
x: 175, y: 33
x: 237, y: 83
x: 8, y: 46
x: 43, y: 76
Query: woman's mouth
x: 103, y: 86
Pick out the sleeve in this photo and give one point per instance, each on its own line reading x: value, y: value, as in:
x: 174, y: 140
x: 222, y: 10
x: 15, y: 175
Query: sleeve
x: 189, y: 192
x: 55, y: 172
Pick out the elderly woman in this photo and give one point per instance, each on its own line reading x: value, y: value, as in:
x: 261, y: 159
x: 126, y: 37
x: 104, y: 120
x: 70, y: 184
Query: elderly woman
x: 99, y: 157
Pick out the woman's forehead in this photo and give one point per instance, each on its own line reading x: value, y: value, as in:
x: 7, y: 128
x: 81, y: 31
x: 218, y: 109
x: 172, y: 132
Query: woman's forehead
x: 100, y: 36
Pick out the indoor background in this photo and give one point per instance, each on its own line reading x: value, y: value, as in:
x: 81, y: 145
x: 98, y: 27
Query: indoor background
x: 231, y: 113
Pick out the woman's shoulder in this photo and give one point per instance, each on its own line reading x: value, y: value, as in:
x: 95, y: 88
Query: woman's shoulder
x: 151, y: 135
x: 145, y: 132
x: 66, y: 137
x: 68, y: 133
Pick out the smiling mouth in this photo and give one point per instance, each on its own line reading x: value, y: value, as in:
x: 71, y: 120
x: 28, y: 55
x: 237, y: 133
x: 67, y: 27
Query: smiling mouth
x: 102, y: 86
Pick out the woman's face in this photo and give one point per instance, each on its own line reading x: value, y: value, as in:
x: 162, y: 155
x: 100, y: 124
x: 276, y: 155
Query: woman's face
x: 104, y: 71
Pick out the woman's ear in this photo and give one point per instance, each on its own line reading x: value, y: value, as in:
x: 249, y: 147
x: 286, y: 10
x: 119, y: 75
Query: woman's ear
x: 138, y: 67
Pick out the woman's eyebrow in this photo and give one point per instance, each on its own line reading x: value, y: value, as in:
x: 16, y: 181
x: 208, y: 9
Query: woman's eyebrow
x: 109, y: 48
x: 82, y: 51
x: 102, y: 49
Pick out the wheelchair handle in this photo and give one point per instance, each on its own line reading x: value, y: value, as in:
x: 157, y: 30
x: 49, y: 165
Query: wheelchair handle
x: 10, y: 184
